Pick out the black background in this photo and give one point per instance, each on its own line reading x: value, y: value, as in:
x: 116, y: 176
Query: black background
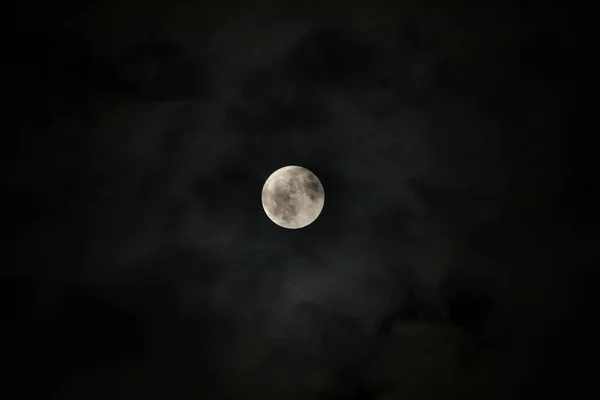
x: 455, y: 256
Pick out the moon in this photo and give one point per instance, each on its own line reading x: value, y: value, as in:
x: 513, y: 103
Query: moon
x: 293, y: 197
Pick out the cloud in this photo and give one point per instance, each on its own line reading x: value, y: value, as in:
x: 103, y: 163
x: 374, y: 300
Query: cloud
x: 422, y: 251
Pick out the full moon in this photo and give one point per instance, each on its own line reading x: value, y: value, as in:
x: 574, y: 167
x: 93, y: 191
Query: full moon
x: 293, y: 197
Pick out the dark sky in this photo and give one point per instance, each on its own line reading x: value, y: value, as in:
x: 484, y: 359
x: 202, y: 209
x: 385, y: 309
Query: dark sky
x: 455, y: 254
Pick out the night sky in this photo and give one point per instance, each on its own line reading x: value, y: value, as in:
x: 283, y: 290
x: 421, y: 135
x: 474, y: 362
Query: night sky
x: 454, y: 258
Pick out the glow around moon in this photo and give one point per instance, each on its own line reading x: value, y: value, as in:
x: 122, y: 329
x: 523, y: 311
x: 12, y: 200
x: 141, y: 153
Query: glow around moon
x: 293, y: 197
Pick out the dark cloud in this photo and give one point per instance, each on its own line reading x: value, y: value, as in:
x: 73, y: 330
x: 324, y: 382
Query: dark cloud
x: 411, y: 39
x: 158, y: 71
x: 327, y: 56
x: 270, y: 104
x: 468, y: 307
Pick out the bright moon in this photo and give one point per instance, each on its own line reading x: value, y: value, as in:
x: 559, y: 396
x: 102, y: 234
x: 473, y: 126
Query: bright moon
x: 293, y: 197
